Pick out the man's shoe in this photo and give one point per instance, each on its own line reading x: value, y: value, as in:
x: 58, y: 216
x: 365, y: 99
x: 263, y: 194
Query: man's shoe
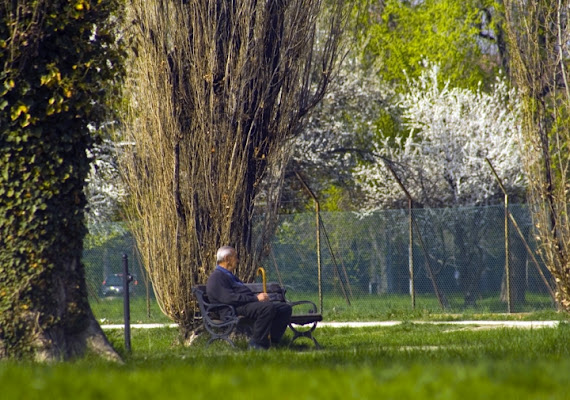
x: 253, y: 345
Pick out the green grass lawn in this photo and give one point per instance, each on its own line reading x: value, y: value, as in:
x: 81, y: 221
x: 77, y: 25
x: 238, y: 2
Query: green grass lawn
x: 110, y: 310
x: 407, y: 361
x: 364, y: 308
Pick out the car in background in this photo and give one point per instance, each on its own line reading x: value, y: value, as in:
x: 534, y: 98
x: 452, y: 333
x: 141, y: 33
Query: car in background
x: 113, y: 285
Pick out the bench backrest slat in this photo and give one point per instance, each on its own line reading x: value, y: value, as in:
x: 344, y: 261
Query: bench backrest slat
x: 276, y: 292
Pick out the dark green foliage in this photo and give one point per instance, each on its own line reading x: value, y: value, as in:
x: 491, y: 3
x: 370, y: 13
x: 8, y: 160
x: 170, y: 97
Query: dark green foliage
x: 58, y: 61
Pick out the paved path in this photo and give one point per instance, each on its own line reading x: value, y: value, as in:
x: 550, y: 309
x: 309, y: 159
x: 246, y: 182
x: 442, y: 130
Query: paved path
x: 481, y: 323
x: 495, y: 324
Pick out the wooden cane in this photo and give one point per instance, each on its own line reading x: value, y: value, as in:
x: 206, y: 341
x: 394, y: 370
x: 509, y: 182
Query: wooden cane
x: 261, y: 271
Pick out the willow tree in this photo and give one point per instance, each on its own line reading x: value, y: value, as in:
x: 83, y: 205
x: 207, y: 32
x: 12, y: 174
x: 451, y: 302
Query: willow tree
x: 58, y: 63
x: 216, y: 90
x: 539, y: 38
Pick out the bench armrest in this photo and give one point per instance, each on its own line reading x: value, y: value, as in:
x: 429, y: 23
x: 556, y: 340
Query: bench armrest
x: 214, y: 313
x: 220, y: 312
x: 310, y: 307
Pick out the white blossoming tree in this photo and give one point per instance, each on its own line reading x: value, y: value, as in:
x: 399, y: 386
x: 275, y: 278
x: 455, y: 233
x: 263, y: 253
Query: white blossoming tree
x: 338, y: 133
x: 104, y: 191
x: 442, y: 163
x: 451, y: 132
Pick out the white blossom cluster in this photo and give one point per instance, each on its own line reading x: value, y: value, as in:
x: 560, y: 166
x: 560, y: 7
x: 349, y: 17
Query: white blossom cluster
x: 104, y: 190
x: 451, y: 133
x: 343, y: 122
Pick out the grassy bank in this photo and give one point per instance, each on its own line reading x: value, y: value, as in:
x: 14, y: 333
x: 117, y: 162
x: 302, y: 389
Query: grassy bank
x: 407, y: 361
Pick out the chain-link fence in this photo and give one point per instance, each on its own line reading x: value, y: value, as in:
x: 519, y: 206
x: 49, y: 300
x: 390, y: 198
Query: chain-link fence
x: 387, y: 264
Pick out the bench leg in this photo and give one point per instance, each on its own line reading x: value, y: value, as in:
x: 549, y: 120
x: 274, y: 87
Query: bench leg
x: 225, y: 339
x: 222, y: 332
x: 308, y: 334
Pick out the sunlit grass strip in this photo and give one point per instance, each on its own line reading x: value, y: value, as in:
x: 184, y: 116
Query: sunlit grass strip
x: 364, y: 308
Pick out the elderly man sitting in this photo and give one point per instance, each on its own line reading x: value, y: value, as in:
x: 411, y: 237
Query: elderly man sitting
x: 270, y: 318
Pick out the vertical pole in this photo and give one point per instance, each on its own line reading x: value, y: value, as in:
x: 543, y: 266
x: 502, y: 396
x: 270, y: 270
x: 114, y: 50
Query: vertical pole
x: 126, y: 305
x: 508, y: 216
x: 318, y: 218
x: 317, y: 211
x: 411, y: 254
x: 507, y: 257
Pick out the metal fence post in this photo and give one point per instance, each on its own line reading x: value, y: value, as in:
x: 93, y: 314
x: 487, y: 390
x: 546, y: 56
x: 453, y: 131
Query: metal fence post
x: 317, y: 212
x: 507, y: 248
x: 126, y: 303
x: 411, y: 253
x: 507, y: 258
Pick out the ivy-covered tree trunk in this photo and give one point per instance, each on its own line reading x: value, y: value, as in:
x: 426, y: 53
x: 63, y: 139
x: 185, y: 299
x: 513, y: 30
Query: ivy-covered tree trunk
x: 57, y: 61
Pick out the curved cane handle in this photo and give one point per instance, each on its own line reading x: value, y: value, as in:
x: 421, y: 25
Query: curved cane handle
x: 261, y: 271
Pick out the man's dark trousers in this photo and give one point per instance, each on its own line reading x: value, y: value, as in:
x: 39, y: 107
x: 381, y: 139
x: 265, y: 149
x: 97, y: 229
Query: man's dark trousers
x: 270, y: 318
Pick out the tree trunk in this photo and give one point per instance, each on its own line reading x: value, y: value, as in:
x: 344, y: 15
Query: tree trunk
x: 378, y: 274
x: 468, y: 261
x: 78, y: 332
x: 518, y: 264
x: 468, y: 276
x: 56, y: 87
x: 45, y: 310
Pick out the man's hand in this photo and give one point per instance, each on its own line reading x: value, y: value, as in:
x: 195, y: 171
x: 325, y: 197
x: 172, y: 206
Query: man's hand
x: 263, y: 297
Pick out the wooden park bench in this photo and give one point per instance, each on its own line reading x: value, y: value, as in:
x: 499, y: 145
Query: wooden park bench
x: 221, y: 320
